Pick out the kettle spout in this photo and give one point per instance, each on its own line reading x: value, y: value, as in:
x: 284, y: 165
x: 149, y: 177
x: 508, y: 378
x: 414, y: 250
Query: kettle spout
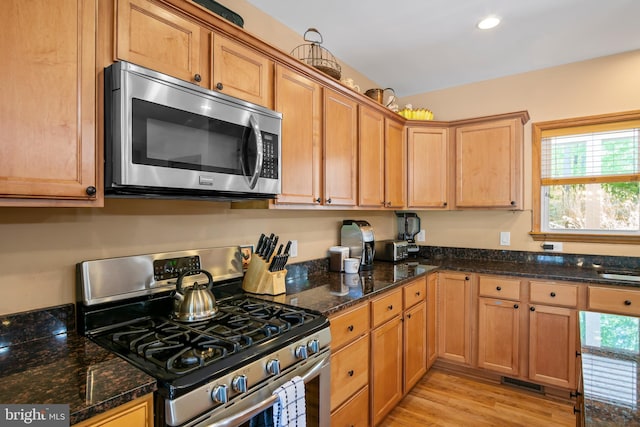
x: 178, y: 296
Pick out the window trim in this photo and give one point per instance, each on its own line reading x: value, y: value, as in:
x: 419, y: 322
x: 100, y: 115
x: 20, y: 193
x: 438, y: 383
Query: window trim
x: 536, y: 182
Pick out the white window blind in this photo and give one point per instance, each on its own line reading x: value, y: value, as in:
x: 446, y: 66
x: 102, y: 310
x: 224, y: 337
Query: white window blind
x: 605, y: 153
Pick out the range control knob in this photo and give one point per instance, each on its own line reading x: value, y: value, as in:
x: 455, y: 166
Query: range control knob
x: 313, y: 346
x: 239, y: 384
x: 273, y: 367
x: 219, y: 394
x: 301, y: 352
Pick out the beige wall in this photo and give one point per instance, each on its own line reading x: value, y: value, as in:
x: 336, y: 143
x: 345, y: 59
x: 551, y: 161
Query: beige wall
x: 598, y: 86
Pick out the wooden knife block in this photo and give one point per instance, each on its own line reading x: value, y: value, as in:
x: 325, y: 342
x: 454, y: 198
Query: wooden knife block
x: 259, y: 280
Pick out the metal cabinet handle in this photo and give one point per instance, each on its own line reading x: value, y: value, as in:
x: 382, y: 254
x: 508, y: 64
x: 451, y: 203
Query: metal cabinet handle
x: 532, y: 308
x: 197, y: 78
x: 466, y: 277
x: 390, y: 307
x: 219, y: 86
x: 516, y: 306
x: 329, y: 200
x: 91, y: 190
x: 408, y: 316
x: 498, y: 288
x: 627, y: 302
x: 553, y: 294
x: 350, y: 328
x: 318, y: 200
x: 350, y: 372
x: 418, y: 293
x: 444, y: 204
x: 513, y: 203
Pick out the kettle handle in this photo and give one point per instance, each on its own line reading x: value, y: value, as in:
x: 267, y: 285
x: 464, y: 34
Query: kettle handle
x: 191, y: 272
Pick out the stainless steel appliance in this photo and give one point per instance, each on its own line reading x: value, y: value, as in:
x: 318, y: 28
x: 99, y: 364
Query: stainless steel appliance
x: 392, y: 250
x: 358, y: 236
x: 217, y: 372
x: 408, y: 228
x: 169, y: 138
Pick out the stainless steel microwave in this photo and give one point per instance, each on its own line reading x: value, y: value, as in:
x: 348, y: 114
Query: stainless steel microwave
x: 168, y: 138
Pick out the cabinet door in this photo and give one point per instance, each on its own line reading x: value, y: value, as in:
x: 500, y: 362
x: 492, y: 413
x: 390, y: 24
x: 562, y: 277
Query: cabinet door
x: 340, y: 149
x: 395, y: 171
x: 371, y: 148
x: 242, y: 72
x: 48, y: 102
x: 136, y: 413
x: 300, y: 102
x: 432, y: 313
x: 415, y: 345
x: 552, y: 345
x: 489, y: 165
x: 454, y: 319
x: 386, y: 368
x: 428, y: 159
x: 157, y: 38
x: 498, y: 335
x: 354, y: 412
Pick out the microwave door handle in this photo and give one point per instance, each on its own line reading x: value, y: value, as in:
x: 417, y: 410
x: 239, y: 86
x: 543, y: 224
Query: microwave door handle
x: 259, y: 153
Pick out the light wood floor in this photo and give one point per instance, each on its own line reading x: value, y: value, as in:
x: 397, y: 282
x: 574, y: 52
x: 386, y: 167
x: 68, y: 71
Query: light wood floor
x: 447, y: 399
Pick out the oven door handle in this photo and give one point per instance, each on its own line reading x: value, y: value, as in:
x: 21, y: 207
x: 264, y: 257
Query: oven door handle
x: 253, y: 179
x: 248, y: 413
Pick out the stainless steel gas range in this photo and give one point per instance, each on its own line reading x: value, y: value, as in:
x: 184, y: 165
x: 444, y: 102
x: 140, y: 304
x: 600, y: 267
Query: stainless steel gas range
x: 217, y: 372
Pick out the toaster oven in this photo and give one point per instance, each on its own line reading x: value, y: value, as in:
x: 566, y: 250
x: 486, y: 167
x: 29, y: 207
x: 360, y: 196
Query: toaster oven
x: 392, y: 250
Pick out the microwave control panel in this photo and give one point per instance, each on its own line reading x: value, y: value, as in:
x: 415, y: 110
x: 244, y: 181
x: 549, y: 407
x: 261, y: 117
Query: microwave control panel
x: 270, y: 156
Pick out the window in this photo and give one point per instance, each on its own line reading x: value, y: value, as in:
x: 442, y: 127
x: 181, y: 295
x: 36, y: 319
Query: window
x: 585, y: 179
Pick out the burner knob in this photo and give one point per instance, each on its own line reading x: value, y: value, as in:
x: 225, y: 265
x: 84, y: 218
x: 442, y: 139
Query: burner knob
x: 313, y: 346
x: 239, y: 384
x: 273, y: 367
x: 301, y: 352
x: 219, y: 394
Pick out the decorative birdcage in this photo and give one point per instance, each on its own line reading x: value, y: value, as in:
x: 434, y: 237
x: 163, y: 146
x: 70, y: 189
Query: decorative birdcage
x: 316, y: 56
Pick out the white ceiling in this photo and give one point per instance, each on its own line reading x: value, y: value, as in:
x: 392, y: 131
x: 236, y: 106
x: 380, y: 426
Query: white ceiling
x: 416, y: 46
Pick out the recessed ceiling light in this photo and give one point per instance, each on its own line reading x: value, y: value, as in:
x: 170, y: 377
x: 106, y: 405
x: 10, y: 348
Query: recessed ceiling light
x: 489, y: 22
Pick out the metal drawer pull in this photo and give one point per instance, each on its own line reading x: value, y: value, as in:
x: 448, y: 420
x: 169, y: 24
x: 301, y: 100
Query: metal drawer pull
x: 627, y: 302
x: 498, y: 288
x: 350, y: 372
x: 350, y: 328
x: 553, y: 294
x: 418, y: 294
x: 390, y: 307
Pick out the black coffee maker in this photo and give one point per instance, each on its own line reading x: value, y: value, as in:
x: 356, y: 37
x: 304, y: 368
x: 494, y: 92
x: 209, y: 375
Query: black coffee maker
x: 357, y: 235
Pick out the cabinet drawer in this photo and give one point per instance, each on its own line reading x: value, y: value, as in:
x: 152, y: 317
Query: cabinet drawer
x: 553, y: 293
x: 386, y: 307
x: 497, y: 287
x: 614, y: 300
x: 415, y: 292
x: 349, y: 371
x: 349, y: 325
x: 355, y: 411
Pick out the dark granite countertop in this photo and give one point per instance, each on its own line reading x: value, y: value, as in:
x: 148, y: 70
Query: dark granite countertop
x: 610, y: 369
x: 58, y: 366
x: 43, y: 360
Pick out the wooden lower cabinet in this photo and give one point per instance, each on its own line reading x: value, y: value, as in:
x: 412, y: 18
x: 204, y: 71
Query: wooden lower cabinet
x: 386, y: 368
x: 354, y: 412
x: 415, y: 345
x: 137, y: 413
x: 350, y: 367
x: 499, y: 335
x: 552, y: 345
x: 432, y: 316
x: 454, y: 317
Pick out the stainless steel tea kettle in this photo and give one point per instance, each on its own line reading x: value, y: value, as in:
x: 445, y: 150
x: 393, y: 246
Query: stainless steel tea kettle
x: 196, y: 302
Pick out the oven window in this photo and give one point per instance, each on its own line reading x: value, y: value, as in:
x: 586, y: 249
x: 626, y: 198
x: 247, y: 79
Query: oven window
x: 164, y: 136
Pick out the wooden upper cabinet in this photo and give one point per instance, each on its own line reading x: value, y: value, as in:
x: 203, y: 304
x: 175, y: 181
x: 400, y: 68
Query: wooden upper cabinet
x: 299, y: 99
x: 395, y: 161
x: 489, y: 164
x: 372, y: 158
x: 155, y: 37
x: 340, y: 132
x: 48, y: 104
x: 428, y: 168
x: 241, y: 71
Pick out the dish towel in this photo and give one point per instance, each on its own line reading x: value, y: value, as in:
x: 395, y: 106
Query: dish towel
x: 290, y: 409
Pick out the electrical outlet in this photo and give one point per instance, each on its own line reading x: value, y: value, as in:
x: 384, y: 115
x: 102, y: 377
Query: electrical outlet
x: 293, y: 250
x: 505, y: 238
x: 421, y: 236
x: 552, y: 246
